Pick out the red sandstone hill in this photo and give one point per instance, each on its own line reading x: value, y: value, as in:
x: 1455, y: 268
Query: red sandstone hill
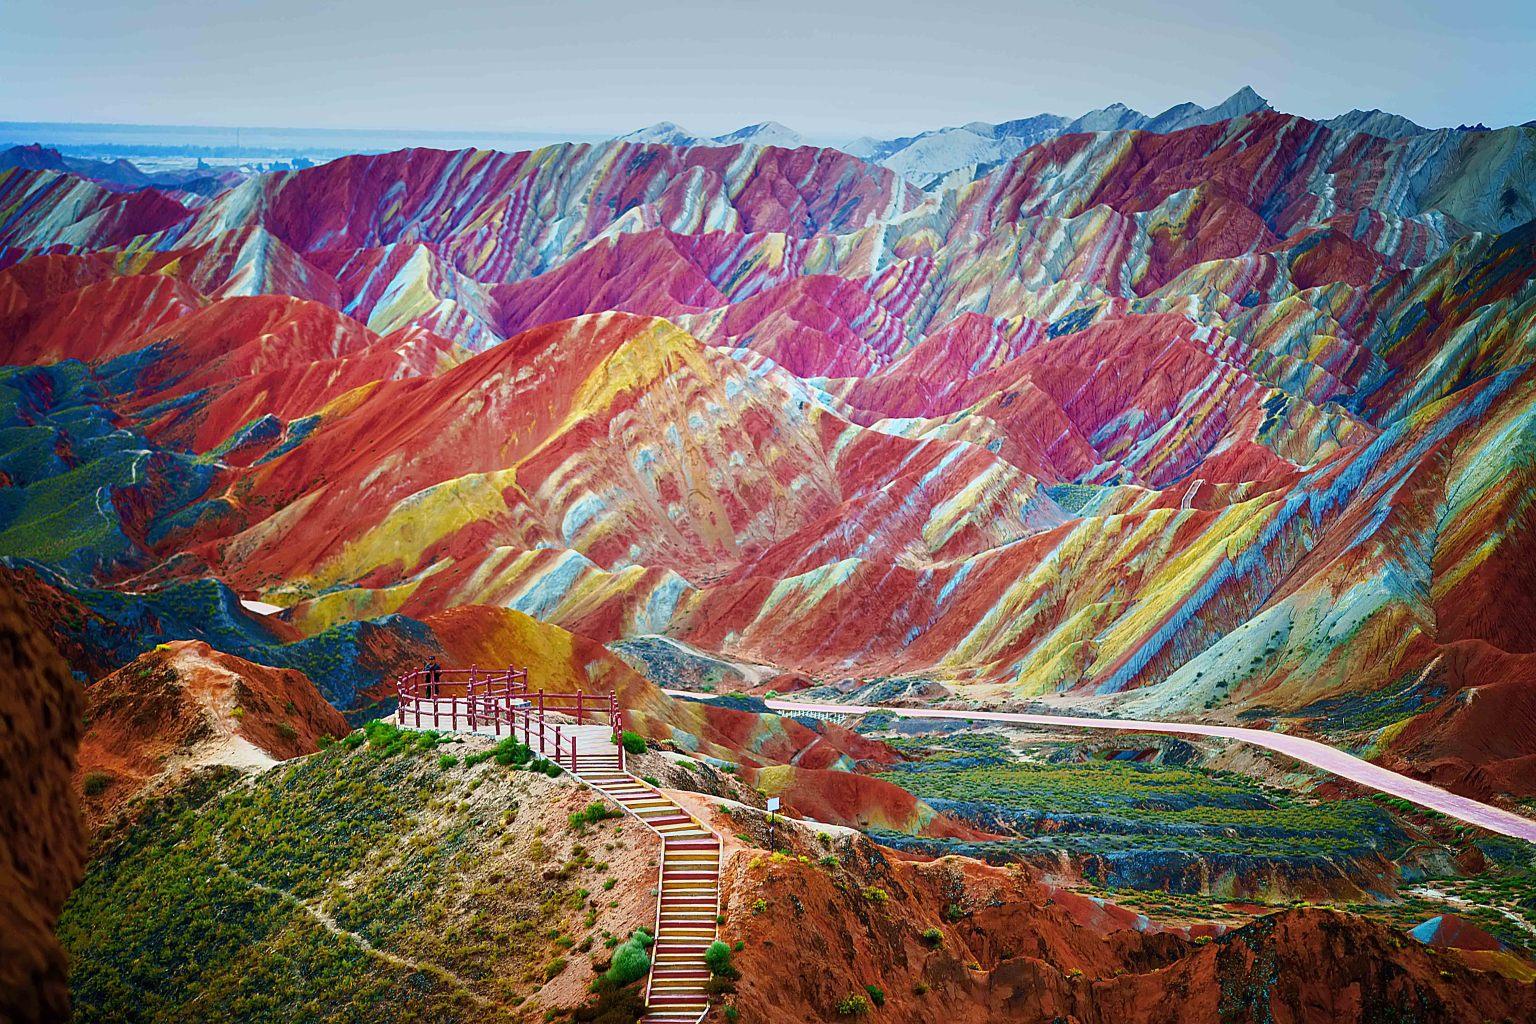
x: 185, y: 705
x: 1004, y: 947
x: 42, y: 856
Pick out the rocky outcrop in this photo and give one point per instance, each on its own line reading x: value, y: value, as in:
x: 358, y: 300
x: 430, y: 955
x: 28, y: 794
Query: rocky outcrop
x: 957, y: 941
x: 185, y: 705
x: 42, y: 852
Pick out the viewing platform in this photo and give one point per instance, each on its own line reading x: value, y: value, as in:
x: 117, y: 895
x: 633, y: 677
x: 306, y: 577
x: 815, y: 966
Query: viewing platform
x: 567, y: 728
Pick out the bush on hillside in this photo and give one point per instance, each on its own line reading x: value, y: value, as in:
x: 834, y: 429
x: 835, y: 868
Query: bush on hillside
x: 718, y: 959
x: 853, y: 1006
x: 593, y: 813
x: 630, y: 960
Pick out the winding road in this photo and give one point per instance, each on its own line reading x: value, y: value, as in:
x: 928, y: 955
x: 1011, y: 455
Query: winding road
x: 1319, y: 755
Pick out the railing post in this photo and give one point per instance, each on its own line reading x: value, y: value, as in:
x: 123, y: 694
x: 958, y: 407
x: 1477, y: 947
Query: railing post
x: 436, y: 710
x: 473, y: 718
x: 541, y: 721
x: 578, y: 707
x: 557, y: 744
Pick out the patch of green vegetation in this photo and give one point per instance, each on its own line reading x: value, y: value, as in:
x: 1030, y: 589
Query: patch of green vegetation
x: 359, y: 884
x: 593, y: 813
x: 853, y: 1005
x: 1369, y: 711
x: 1124, y: 806
x: 717, y: 957
x: 632, y: 959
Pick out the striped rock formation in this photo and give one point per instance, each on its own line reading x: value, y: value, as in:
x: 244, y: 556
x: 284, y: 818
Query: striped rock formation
x: 1225, y: 418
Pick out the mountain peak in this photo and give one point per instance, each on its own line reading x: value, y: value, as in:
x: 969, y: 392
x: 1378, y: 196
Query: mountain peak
x: 668, y: 132
x: 1249, y: 96
x: 766, y: 133
x: 1245, y: 101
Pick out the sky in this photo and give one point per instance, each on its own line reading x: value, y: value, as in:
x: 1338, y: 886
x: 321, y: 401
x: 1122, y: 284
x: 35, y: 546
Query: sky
x: 832, y: 69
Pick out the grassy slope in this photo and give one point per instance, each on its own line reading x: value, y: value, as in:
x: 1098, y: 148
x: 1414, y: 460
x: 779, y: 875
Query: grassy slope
x: 450, y: 901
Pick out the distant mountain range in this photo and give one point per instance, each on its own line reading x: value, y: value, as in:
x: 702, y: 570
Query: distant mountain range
x: 931, y: 157
x: 118, y: 174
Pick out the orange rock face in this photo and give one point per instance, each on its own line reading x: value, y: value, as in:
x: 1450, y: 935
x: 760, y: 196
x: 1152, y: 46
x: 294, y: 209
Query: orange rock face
x: 185, y: 705
x: 42, y: 857
x: 1004, y: 947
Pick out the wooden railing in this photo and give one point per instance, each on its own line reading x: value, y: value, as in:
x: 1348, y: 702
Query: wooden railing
x: 474, y: 699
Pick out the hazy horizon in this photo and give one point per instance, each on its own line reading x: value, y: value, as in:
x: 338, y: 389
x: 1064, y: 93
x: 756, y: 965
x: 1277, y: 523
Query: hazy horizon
x: 599, y: 68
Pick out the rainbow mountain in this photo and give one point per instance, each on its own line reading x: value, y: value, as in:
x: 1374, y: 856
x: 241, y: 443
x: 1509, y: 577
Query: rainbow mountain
x: 1226, y: 418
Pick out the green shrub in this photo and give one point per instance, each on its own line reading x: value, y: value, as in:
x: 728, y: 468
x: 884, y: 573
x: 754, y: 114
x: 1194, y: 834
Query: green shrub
x: 853, y: 1005
x: 511, y: 751
x: 447, y: 761
x: 875, y: 894
x: 630, y: 960
x: 933, y: 937
x: 717, y: 957
x: 287, y: 731
x: 731, y: 1013
x: 650, y: 780
x: 632, y: 742
x: 96, y: 783
x: 876, y: 994
x: 593, y: 813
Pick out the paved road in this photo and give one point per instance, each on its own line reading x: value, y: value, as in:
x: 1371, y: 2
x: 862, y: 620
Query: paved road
x: 1319, y: 755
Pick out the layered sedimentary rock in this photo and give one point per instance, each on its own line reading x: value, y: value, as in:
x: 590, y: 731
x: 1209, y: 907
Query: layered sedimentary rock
x: 184, y: 706
x: 1221, y: 412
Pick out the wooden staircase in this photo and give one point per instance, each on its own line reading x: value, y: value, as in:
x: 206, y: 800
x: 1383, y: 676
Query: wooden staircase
x: 689, y: 900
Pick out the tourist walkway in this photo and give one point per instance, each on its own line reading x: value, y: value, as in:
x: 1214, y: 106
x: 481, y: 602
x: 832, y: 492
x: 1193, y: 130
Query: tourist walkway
x: 555, y: 726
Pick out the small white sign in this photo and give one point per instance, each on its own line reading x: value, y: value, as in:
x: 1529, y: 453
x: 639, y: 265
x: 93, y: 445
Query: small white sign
x: 773, y: 804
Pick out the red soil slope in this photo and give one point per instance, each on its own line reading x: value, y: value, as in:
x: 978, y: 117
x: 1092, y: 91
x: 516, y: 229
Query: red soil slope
x: 184, y: 705
x: 1010, y: 948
